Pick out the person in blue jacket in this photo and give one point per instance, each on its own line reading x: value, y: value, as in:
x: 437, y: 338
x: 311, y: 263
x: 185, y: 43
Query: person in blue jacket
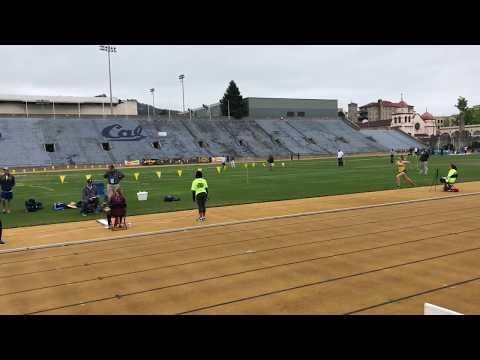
x: 7, y: 183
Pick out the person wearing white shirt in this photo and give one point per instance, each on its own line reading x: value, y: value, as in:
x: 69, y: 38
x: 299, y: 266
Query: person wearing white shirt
x: 340, y: 157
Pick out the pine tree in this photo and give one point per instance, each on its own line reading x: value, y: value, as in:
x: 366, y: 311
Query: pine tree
x: 238, y: 107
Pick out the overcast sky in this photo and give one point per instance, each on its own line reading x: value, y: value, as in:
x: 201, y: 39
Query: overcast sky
x: 429, y: 76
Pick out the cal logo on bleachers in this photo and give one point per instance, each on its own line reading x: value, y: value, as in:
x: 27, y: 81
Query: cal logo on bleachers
x: 115, y: 132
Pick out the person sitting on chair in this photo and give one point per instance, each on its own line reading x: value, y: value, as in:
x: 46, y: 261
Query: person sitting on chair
x: 89, y: 198
x: 450, y: 179
x: 118, y: 206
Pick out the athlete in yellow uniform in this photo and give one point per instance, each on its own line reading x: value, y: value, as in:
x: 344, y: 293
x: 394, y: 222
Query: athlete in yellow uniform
x: 402, y: 171
x: 200, y: 194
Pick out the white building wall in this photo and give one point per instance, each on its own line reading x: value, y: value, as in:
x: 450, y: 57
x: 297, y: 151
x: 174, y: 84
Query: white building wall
x: 16, y: 108
x: 406, y: 123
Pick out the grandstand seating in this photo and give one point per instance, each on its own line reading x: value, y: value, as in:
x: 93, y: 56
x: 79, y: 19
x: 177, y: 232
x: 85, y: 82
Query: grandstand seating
x: 392, y: 138
x: 81, y: 140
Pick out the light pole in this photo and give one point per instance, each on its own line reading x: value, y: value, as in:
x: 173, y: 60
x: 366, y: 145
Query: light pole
x: 181, y: 77
x: 109, y: 49
x: 152, y: 90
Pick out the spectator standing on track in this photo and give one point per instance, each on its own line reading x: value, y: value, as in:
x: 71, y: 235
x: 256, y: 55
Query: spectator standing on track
x: 200, y: 194
x: 118, y: 206
x: 7, y: 182
x: 113, y: 177
x: 340, y: 157
x: 424, y: 162
x: 392, y: 155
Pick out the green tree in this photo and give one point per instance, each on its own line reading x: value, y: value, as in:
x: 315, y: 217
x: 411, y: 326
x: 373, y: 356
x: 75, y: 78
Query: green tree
x: 472, y: 116
x: 232, y: 97
x: 462, y: 106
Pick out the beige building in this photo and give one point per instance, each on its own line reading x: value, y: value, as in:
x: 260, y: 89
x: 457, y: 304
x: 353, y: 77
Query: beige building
x: 445, y: 120
x: 383, y: 109
x: 32, y: 105
x: 352, y: 112
x: 402, y: 116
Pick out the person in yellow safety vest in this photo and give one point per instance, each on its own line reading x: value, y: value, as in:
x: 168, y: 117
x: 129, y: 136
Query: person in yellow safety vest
x: 402, y: 171
x: 450, y: 179
x: 200, y: 194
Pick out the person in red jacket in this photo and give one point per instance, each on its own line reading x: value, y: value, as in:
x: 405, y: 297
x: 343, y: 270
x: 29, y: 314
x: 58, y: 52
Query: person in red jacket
x: 118, y: 206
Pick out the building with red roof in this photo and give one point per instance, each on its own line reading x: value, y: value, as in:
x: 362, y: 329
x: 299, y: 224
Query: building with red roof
x: 401, y: 116
x: 384, y: 109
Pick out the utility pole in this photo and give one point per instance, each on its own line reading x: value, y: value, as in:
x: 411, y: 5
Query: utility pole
x: 109, y: 49
x: 228, y: 103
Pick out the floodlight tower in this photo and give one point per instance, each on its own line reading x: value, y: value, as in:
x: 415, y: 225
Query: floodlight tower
x: 109, y: 49
x: 152, y: 91
x: 181, y: 77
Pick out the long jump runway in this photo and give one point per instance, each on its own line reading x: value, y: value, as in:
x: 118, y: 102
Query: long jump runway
x: 377, y: 260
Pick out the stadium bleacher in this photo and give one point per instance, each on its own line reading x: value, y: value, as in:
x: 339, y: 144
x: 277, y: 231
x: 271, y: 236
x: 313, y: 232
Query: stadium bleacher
x: 392, y: 138
x: 104, y: 140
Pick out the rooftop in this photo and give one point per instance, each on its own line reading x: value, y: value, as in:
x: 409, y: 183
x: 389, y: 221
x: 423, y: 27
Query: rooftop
x: 376, y: 124
x: 58, y: 99
x: 387, y: 103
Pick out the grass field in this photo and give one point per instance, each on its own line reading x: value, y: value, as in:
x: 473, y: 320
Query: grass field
x: 298, y: 179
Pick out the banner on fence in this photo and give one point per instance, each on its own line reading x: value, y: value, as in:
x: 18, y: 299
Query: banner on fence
x: 132, y: 162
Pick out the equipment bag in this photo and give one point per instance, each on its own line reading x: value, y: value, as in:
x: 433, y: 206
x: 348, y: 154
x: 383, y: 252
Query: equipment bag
x: 170, y: 198
x: 31, y: 205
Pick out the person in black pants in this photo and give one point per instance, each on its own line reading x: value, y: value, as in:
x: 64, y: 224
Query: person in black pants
x: 200, y: 194
x: 424, y: 162
x: 340, y: 157
x: 7, y: 182
x: 270, y: 162
x: 1, y: 228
